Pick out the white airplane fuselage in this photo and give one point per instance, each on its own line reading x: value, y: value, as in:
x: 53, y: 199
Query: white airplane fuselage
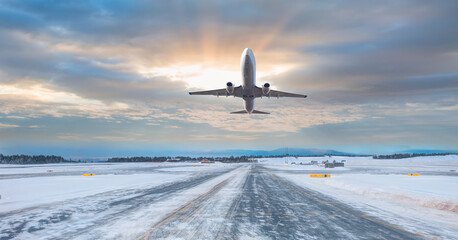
x: 248, y: 69
x: 248, y: 91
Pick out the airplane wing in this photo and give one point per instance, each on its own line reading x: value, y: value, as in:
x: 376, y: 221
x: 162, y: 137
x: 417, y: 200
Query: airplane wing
x: 277, y: 94
x: 220, y: 92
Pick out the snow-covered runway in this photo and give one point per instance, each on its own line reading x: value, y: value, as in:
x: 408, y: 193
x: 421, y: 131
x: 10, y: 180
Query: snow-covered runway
x: 221, y: 201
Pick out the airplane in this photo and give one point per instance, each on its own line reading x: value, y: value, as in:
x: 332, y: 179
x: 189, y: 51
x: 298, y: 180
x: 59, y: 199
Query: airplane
x: 248, y: 91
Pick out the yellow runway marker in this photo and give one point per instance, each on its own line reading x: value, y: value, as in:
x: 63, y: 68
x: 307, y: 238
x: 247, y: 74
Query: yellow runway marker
x: 321, y: 175
x: 242, y: 213
x: 266, y: 214
x: 288, y: 214
x: 334, y: 215
x: 311, y: 215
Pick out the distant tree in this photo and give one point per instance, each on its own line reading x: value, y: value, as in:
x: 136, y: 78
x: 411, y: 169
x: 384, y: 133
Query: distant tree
x: 408, y: 155
x: 36, y: 159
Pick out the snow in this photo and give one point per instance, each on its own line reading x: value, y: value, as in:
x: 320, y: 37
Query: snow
x: 425, y: 191
x: 427, y: 163
x: 379, y: 188
x: 7, y: 169
x: 87, y: 198
x: 29, y: 192
x: 18, y: 193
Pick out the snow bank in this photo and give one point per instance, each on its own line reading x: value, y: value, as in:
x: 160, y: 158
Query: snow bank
x: 6, y: 169
x: 435, y: 190
x: 438, y: 192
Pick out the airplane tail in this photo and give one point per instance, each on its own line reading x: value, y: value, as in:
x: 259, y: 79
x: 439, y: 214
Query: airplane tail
x: 245, y: 112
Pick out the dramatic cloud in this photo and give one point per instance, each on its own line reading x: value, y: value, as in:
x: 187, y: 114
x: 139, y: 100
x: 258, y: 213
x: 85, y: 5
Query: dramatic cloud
x: 378, y: 76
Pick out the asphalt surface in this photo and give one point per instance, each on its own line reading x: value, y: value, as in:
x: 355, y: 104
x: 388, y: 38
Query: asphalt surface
x: 243, y: 202
x: 268, y: 207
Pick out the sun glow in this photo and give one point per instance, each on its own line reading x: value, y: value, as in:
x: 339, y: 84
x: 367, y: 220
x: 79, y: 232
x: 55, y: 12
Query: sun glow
x: 206, y: 77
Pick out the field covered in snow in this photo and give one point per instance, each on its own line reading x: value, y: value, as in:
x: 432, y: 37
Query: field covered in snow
x: 24, y: 186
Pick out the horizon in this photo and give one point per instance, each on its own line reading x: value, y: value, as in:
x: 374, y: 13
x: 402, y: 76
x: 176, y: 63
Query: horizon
x: 96, y: 79
x: 300, y: 152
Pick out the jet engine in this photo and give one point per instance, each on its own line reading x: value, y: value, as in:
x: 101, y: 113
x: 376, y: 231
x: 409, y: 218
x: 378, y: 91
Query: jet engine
x: 229, y: 87
x: 266, y: 88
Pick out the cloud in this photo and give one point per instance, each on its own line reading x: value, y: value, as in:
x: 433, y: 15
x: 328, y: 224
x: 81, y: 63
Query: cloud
x: 219, y: 137
x: 449, y: 108
x: 130, y: 64
x: 36, y: 100
x: 4, y: 125
x: 282, y: 119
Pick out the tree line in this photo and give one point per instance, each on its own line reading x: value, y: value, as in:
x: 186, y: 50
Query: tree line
x: 27, y: 159
x: 42, y: 159
x: 230, y: 159
x: 408, y: 155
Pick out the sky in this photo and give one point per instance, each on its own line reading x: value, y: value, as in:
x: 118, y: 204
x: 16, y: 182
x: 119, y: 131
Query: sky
x: 110, y: 78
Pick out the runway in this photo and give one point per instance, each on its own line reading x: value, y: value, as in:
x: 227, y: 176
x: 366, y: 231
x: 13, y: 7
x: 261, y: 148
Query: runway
x: 246, y: 201
x: 270, y: 208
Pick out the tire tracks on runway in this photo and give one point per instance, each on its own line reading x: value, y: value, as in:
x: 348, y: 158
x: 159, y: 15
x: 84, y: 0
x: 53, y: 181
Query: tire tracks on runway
x: 207, y: 216
x: 272, y: 208
x: 346, y: 209
x: 148, y: 197
x: 99, y: 209
x: 185, y: 208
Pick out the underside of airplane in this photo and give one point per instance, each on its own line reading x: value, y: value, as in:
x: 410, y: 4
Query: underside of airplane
x: 248, y: 91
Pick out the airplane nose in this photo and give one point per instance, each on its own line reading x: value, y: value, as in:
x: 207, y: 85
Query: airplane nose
x: 247, y: 51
